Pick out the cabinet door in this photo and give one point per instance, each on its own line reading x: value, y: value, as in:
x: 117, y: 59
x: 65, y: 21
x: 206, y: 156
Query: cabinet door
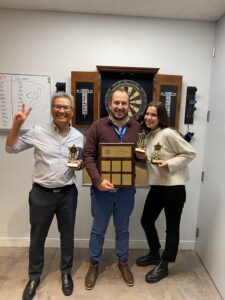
x: 138, y: 82
x: 167, y: 88
x: 85, y: 89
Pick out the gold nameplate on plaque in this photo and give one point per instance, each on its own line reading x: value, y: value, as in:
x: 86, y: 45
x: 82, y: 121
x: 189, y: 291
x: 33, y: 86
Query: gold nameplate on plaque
x: 116, y: 164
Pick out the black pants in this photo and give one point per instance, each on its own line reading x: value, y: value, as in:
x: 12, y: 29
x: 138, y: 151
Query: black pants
x: 171, y: 199
x: 43, y: 206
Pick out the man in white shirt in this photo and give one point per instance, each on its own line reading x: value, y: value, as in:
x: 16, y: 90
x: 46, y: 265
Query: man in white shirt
x: 53, y: 191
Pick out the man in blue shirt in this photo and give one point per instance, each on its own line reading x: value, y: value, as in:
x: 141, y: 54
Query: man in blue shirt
x: 53, y: 191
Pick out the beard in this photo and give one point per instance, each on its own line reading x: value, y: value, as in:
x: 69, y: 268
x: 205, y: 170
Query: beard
x: 119, y: 118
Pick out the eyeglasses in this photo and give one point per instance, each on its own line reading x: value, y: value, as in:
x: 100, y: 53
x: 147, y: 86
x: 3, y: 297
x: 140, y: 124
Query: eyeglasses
x: 64, y: 107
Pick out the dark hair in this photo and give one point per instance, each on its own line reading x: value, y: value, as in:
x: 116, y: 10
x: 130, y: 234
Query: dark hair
x: 161, y: 112
x: 120, y: 89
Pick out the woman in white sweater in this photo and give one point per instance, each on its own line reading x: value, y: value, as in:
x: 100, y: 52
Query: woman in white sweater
x: 168, y: 154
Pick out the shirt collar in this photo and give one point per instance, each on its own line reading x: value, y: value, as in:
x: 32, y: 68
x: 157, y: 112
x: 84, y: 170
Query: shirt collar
x: 126, y: 121
x: 56, y: 129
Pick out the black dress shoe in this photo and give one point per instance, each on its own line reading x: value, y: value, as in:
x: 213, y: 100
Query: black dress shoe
x: 158, y: 273
x: 67, y: 284
x: 30, y: 289
x: 152, y: 258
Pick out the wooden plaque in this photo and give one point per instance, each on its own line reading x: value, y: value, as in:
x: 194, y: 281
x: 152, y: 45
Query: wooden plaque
x: 116, y: 164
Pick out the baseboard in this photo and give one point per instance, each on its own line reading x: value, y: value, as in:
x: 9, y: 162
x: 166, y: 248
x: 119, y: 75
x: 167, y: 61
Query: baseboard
x: 83, y: 243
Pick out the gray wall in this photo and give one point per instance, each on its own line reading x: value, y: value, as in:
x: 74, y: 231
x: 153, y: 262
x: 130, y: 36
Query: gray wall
x: 211, y: 221
x: 58, y: 43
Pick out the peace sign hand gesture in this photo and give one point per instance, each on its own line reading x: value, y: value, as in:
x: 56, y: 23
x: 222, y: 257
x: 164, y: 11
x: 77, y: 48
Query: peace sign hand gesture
x: 21, y: 116
x: 18, y: 121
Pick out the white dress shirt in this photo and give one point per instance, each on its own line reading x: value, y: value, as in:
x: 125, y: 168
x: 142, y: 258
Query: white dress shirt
x: 51, y: 152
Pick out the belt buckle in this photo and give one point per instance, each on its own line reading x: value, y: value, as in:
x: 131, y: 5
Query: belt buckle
x: 56, y: 191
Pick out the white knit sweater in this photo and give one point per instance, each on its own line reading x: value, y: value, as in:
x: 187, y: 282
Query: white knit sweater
x: 176, y: 151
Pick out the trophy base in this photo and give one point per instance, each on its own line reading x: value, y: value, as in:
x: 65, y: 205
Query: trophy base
x: 156, y: 161
x: 139, y: 150
x: 72, y: 165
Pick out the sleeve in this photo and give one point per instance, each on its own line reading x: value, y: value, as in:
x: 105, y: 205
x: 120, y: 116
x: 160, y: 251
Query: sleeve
x: 90, y: 155
x: 183, y: 151
x: 24, y: 142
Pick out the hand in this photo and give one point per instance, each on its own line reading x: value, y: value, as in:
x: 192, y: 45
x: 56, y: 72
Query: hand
x: 79, y: 164
x: 21, y: 116
x: 140, y: 156
x: 163, y: 164
x: 105, y: 185
x: 18, y: 121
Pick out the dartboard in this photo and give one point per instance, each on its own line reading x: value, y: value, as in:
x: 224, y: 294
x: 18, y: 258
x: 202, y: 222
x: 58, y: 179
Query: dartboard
x: 137, y: 95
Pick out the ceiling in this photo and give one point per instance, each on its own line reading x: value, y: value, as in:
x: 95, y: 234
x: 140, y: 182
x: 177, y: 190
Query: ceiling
x: 203, y: 10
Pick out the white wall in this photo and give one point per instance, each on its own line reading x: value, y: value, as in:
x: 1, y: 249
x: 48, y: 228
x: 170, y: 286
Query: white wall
x: 211, y: 220
x: 58, y: 43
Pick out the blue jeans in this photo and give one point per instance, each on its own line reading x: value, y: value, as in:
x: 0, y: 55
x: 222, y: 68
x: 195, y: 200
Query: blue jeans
x: 120, y: 205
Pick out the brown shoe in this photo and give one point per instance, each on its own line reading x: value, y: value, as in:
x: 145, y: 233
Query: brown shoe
x: 91, y: 275
x: 125, y: 272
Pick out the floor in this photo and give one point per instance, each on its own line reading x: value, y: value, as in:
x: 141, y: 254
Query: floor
x: 188, y: 279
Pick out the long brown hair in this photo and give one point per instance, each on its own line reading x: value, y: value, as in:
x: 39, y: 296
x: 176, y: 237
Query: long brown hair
x: 161, y: 112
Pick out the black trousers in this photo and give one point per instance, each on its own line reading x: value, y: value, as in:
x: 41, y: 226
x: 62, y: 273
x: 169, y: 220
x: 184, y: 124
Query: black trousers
x: 171, y: 199
x: 44, y: 205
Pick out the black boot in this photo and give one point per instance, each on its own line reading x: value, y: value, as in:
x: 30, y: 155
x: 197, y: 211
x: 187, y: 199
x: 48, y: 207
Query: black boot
x: 158, y: 273
x: 152, y: 258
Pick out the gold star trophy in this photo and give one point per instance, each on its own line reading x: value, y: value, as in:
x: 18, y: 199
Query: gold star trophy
x: 140, y: 146
x: 73, y: 155
x: 155, y: 159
